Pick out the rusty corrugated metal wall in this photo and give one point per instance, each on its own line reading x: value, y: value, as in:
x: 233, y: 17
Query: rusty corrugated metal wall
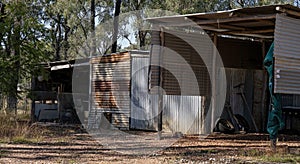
x: 110, y: 90
x: 287, y: 55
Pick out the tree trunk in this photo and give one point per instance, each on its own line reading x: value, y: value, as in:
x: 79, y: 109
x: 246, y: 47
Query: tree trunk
x: 2, y: 6
x: 93, y: 37
x: 116, y: 26
x: 66, y: 37
x: 142, y: 38
x: 58, y: 38
x: 12, y: 99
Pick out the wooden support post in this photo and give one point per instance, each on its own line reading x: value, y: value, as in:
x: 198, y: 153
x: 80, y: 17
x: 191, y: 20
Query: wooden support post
x: 264, y: 92
x: 90, y: 101
x: 160, y: 96
x: 59, y: 104
x: 273, y: 145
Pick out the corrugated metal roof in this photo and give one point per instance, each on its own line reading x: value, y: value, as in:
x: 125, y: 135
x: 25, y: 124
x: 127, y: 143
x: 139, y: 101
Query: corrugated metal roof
x: 256, y: 22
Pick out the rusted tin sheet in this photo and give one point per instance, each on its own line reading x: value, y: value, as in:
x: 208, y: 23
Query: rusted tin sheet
x: 111, y: 88
x: 286, y: 53
x: 112, y: 58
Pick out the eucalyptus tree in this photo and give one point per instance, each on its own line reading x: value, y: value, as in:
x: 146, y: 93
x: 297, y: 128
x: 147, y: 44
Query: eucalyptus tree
x: 72, y: 22
x: 140, y: 9
x: 23, y: 46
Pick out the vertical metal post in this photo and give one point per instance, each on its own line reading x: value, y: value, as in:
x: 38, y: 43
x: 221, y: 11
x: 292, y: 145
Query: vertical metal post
x: 213, y: 81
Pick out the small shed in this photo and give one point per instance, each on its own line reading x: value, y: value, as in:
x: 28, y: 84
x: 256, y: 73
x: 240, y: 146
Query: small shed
x: 105, y: 89
x: 116, y: 93
x: 242, y: 38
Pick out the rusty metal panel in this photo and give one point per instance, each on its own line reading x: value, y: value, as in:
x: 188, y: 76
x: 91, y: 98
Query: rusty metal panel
x: 120, y: 120
x: 287, y: 56
x: 111, y: 85
x: 182, y: 114
x: 143, y: 105
x: 110, y: 89
x: 112, y: 58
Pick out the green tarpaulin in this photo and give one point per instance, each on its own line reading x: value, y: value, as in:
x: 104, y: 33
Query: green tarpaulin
x: 275, y: 121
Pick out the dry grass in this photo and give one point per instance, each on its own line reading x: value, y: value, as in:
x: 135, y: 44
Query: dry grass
x: 17, y: 129
x: 280, y: 158
x: 266, y: 156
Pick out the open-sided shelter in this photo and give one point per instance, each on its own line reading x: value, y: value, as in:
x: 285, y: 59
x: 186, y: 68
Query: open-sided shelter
x: 242, y: 38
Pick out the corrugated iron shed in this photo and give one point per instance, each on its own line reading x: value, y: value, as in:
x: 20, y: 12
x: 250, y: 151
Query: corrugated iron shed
x: 250, y: 32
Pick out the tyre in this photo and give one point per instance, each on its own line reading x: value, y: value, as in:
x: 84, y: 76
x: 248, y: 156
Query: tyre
x: 243, y: 122
x: 224, y: 126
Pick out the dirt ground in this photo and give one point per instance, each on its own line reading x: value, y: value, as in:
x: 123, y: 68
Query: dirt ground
x: 73, y: 145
